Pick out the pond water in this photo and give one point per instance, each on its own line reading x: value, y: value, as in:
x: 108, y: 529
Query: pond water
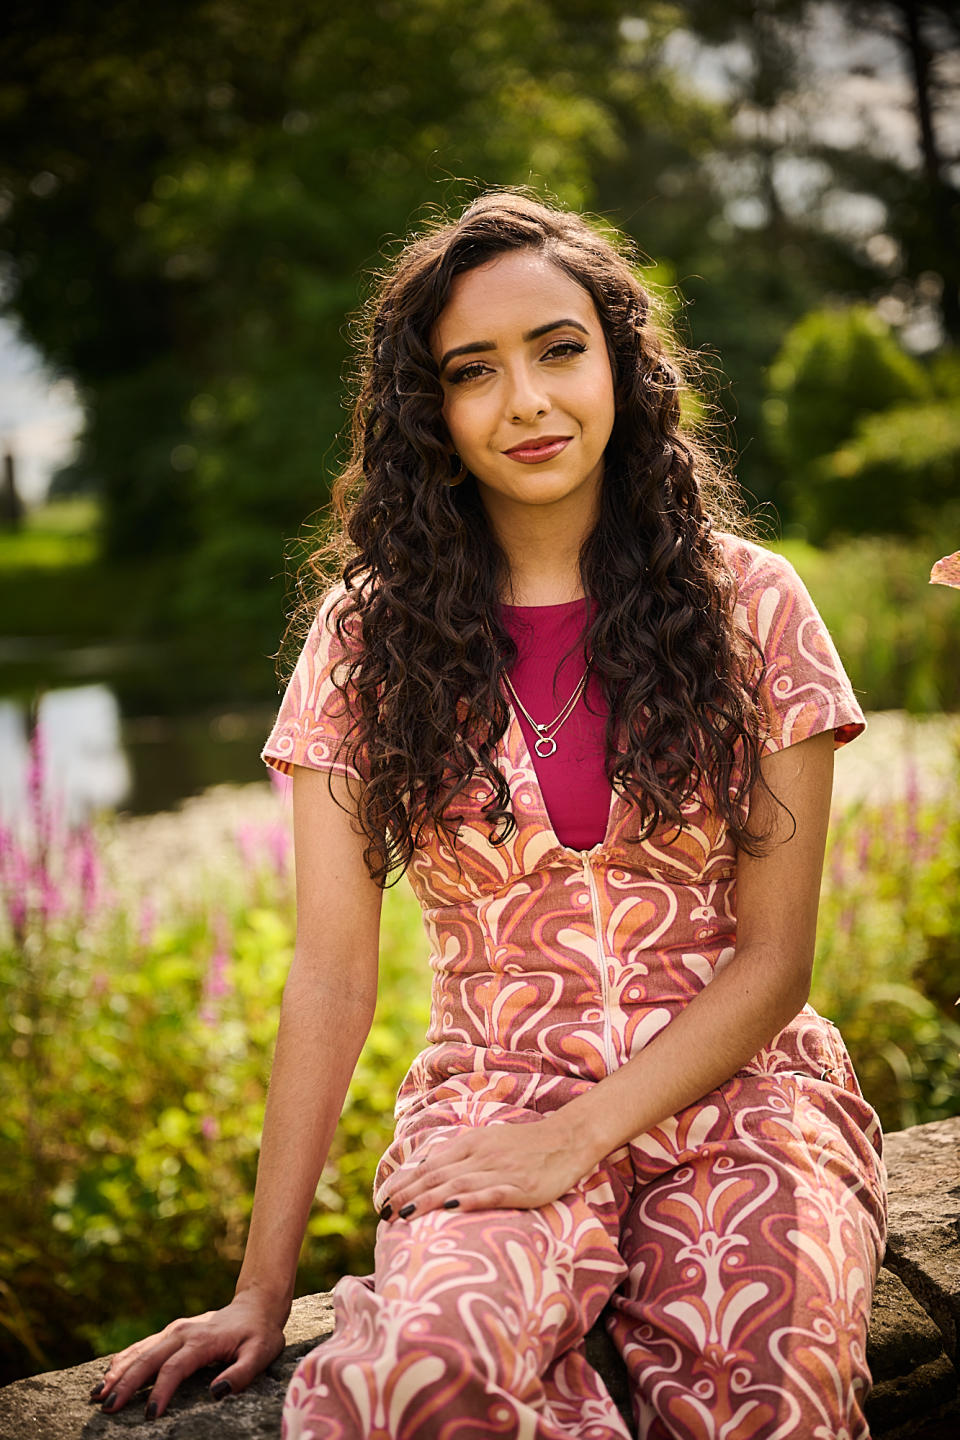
x: 96, y: 758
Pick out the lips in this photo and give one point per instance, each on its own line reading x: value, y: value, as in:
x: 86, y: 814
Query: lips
x: 534, y: 452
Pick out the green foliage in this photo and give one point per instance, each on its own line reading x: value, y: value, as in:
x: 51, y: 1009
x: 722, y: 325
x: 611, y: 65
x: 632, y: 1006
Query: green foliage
x: 868, y: 436
x: 888, y: 952
x: 184, y: 225
x: 897, y: 634
x: 906, y: 459
x: 135, y: 1083
x: 834, y: 369
x: 50, y: 538
x: 196, y: 284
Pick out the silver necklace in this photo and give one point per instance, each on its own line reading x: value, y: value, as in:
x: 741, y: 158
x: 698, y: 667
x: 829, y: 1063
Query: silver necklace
x: 545, y: 733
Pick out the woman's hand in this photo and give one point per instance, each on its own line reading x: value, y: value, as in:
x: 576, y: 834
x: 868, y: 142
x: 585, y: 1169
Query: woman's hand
x: 245, y: 1335
x: 502, y: 1166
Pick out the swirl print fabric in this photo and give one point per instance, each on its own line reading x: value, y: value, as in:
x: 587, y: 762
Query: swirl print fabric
x: 732, y: 1249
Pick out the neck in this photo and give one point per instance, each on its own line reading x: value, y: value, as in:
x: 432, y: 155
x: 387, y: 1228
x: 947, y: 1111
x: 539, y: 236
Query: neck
x: 543, y: 553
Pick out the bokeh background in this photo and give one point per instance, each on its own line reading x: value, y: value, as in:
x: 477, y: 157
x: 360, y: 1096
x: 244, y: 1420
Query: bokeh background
x: 192, y: 199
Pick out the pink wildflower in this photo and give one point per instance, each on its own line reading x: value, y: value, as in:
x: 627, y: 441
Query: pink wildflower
x: 217, y: 984
x: 146, y: 923
x: 48, y: 898
x: 864, y: 837
x: 838, y: 869
x: 278, y: 843
x: 245, y: 839
x: 912, y: 835
x: 282, y: 784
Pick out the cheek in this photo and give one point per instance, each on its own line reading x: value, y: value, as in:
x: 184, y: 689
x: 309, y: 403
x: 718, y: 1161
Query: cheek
x: 601, y: 404
x: 465, y: 424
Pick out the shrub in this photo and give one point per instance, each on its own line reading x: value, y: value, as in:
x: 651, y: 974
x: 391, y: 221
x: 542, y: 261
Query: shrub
x: 135, y: 1083
x: 898, y: 635
x: 834, y: 366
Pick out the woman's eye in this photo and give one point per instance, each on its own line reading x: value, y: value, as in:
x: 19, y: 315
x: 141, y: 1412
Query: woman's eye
x: 563, y: 349
x: 469, y: 372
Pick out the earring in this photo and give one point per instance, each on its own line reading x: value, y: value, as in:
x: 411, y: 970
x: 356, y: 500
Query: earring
x: 457, y: 477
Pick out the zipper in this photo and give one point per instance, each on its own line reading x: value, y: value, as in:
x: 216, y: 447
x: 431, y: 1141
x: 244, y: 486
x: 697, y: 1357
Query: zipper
x: 602, y: 953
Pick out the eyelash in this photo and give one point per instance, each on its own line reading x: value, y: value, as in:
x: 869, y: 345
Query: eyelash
x: 570, y: 347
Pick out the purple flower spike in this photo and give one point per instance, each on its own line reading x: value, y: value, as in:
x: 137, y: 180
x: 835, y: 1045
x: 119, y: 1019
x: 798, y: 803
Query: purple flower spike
x: 90, y: 870
x: 146, y: 923
x: 282, y: 784
x: 245, y: 839
x: 278, y: 842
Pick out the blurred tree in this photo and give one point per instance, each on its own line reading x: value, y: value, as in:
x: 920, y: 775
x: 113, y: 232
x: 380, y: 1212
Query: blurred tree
x: 189, y: 194
x: 926, y: 221
x: 907, y: 460
x: 782, y: 200
x: 834, y: 367
x: 851, y: 415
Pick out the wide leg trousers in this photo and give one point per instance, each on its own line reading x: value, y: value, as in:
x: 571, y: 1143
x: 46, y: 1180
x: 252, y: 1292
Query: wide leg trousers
x: 734, y: 1249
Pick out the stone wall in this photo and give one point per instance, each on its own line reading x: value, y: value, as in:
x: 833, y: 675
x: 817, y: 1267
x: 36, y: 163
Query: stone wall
x: 912, y: 1349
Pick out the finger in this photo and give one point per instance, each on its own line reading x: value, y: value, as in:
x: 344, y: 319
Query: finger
x: 496, y: 1197
x: 194, y: 1353
x: 451, y: 1191
x: 408, y: 1184
x: 132, y: 1368
x: 483, y: 1197
x: 253, y: 1356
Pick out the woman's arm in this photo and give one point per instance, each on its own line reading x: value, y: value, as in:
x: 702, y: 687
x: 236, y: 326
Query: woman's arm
x: 762, y: 988
x: 325, y: 1016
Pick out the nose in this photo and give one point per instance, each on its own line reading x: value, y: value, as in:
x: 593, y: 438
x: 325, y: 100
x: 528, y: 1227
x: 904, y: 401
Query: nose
x: 527, y: 398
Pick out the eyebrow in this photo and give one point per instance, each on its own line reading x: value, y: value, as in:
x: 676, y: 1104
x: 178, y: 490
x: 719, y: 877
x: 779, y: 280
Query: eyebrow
x: 476, y: 346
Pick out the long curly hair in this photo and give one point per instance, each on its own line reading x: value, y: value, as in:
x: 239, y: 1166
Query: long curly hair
x: 422, y: 572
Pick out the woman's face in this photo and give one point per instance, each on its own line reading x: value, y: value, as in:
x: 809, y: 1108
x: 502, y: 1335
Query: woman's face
x: 527, y: 385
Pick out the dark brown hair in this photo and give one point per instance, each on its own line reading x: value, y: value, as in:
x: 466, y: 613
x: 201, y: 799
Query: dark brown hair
x: 423, y: 573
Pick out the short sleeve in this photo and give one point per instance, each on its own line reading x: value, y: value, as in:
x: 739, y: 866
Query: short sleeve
x: 312, y: 721
x: 805, y: 689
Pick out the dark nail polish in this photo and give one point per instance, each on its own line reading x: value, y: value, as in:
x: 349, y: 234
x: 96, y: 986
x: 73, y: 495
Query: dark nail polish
x: 110, y: 1401
x: 221, y: 1388
x: 407, y: 1209
x: 387, y: 1211
x: 152, y: 1410
x: 450, y: 1204
x: 97, y: 1391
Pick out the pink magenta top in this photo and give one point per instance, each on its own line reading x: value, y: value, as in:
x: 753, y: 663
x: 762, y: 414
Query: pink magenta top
x: 574, y: 785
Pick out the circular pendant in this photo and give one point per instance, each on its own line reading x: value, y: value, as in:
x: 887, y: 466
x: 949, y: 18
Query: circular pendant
x: 545, y: 740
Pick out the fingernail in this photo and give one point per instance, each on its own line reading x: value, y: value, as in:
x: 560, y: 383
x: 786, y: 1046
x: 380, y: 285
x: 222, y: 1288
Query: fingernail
x: 152, y: 1410
x: 387, y: 1211
x: 110, y: 1401
x: 407, y: 1209
x: 96, y: 1391
x: 450, y: 1204
x: 221, y: 1388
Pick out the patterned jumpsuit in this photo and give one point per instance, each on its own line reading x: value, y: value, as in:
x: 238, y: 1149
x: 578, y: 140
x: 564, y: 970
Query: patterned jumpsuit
x: 735, y: 1245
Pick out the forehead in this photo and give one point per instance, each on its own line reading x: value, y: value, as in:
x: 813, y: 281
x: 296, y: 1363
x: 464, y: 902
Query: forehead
x: 507, y: 296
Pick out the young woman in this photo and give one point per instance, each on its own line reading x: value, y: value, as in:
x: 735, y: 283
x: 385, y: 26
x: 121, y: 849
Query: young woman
x: 597, y: 732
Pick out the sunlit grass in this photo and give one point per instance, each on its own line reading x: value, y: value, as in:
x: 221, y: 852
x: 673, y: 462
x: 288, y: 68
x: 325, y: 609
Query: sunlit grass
x: 62, y: 533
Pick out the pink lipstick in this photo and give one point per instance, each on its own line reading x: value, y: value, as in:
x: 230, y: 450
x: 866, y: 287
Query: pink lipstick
x: 534, y: 452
